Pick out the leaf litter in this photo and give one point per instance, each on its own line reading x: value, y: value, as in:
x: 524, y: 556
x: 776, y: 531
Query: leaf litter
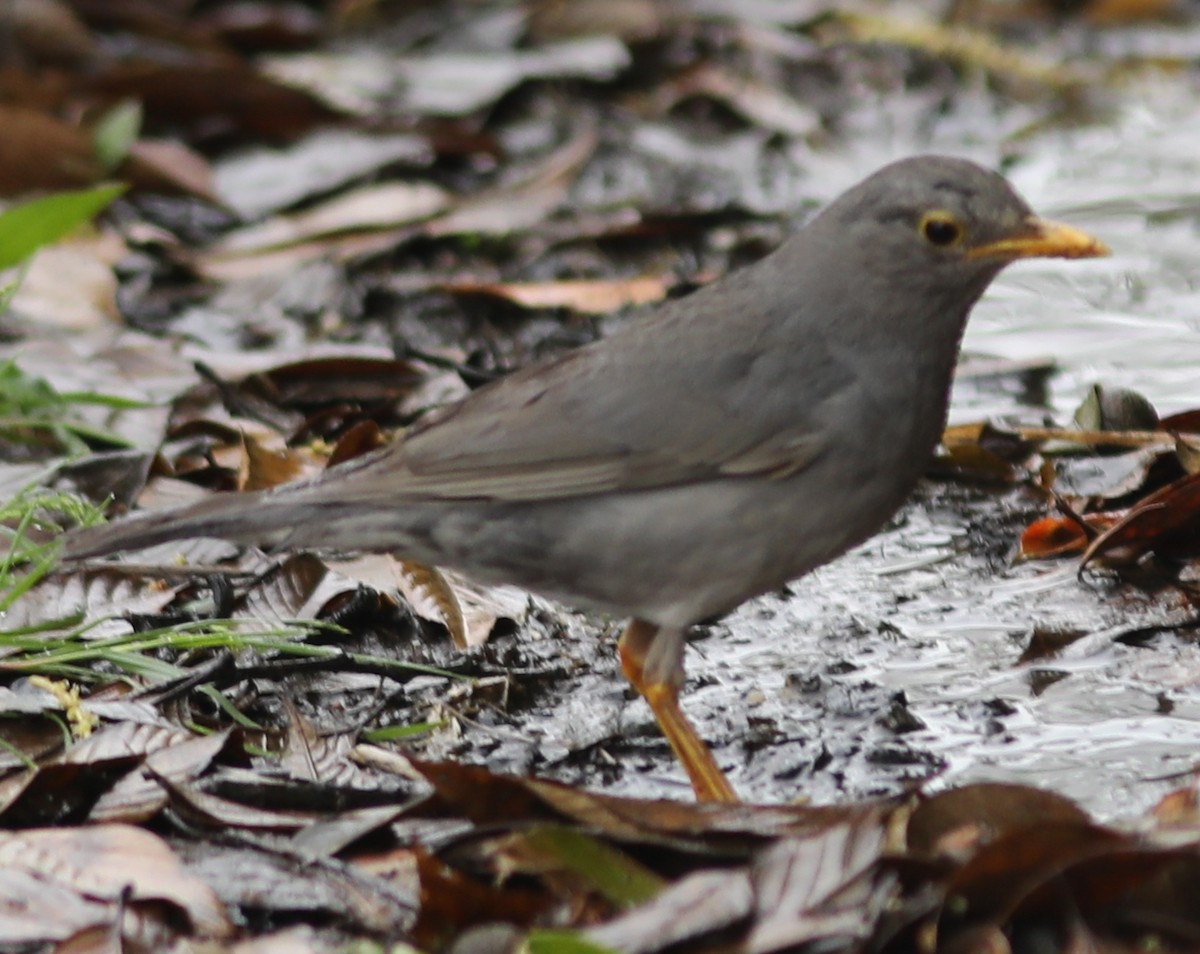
x: 333, y: 227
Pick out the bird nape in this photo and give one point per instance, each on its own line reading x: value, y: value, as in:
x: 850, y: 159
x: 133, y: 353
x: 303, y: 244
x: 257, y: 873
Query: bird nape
x: 715, y: 448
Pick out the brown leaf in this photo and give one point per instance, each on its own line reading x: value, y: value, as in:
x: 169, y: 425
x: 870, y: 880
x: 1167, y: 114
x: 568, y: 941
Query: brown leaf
x: 992, y: 810
x: 47, y: 31
x: 452, y: 900
x: 1002, y: 873
x: 273, y: 262
x: 277, y: 883
x: 327, y: 837
x: 627, y: 19
x: 1051, y: 537
x: 210, y: 97
x: 372, y: 208
x: 1124, y: 11
x: 982, y: 450
x: 58, y: 790
x: 1186, y: 422
x: 315, y: 756
x: 161, y: 165
x: 1046, y: 642
x: 596, y: 297
x: 474, y: 792
x: 468, y: 610
x: 264, y: 467
x: 34, y: 910
x: 1123, y: 886
x: 733, y: 829
x: 71, y: 287
x: 203, y: 808
x: 361, y: 438
x: 25, y: 740
x: 312, y: 382
x: 106, y: 861
x: 1167, y: 523
x: 797, y: 882
x: 1187, y: 452
x: 1178, y: 808
x: 431, y: 594
x: 1104, y: 478
x: 302, y: 586
x: 114, y: 476
x: 260, y: 26
x: 93, y: 594
x: 173, y: 754
x: 38, y: 151
x: 698, y: 904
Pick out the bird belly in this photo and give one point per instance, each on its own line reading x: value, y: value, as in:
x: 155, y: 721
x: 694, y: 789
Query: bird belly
x: 671, y: 556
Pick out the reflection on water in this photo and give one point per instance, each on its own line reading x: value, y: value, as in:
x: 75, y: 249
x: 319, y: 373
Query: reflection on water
x: 931, y: 616
x: 1132, y: 319
x: 1102, y: 722
x: 1134, y: 181
x: 1099, y: 721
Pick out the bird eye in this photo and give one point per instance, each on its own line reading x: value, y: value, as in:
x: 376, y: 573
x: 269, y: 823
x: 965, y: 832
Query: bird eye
x: 940, y: 229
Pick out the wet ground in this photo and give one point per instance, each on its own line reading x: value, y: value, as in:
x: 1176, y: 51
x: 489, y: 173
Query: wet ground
x: 453, y: 191
x: 901, y: 661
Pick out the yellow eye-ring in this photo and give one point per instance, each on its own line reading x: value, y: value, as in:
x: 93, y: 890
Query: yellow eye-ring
x: 940, y: 228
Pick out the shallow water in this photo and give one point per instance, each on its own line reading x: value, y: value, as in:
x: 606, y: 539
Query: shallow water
x: 941, y: 614
x: 1133, y: 319
x: 949, y: 634
x: 1133, y: 180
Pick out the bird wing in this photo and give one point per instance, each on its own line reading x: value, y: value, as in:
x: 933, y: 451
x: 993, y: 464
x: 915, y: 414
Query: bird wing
x: 571, y: 428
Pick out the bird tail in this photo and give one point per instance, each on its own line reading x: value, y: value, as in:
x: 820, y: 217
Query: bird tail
x: 258, y: 517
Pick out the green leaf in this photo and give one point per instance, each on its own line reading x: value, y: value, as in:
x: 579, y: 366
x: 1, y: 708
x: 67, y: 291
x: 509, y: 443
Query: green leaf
x: 115, y: 134
x: 610, y: 872
x: 32, y: 411
x: 9, y: 291
x: 391, y: 733
x: 560, y: 942
x: 27, y: 227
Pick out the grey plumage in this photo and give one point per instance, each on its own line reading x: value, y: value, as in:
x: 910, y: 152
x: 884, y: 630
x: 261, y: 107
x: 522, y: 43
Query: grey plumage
x: 715, y: 448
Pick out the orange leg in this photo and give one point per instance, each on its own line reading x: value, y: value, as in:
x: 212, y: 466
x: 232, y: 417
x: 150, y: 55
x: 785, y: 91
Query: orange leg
x: 652, y: 660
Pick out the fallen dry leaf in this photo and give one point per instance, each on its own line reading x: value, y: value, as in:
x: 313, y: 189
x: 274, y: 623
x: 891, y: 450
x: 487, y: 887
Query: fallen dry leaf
x: 108, y: 862
x: 592, y: 297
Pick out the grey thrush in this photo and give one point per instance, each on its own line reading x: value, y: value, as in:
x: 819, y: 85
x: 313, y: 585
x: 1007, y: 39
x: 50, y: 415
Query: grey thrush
x: 711, y: 450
